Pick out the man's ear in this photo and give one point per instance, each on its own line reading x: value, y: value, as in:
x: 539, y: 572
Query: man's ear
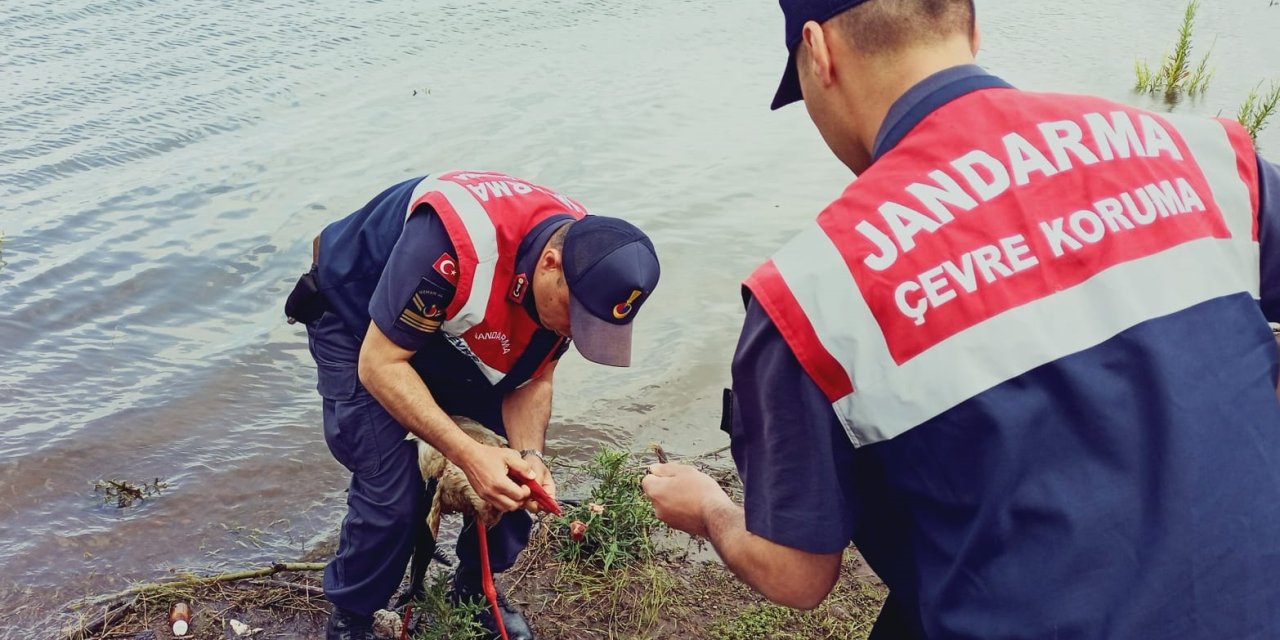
x: 819, y: 61
x: 551, y: 260
x: 976, y: 38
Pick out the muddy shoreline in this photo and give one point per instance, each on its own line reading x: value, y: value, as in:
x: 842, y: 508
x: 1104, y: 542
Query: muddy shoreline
x: 681, y: 591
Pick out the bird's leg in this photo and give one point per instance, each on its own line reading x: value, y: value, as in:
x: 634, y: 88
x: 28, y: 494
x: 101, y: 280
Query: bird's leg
x: 486, y: 578
x: 424, y: 549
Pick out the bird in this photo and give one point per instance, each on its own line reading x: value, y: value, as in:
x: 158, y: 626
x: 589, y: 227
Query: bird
x: 453, y: 494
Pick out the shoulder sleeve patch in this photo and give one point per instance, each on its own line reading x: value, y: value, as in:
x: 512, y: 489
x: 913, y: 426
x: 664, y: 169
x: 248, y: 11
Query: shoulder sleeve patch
x: 424, y: 311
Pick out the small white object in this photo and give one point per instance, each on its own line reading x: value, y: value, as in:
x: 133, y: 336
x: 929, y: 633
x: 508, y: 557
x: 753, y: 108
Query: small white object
x: 242, y: 629
x: 180, y: 627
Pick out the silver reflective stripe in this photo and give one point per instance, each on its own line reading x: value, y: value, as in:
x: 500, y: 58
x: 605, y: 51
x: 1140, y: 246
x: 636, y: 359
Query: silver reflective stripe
x: 890, y: 399
x: 484, y: 238
x: 492, y: 375
x: 1210, y: 145
x: 817, y: 276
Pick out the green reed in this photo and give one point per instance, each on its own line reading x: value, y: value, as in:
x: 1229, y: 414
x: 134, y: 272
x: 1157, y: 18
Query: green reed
x: 1258, y: 108
x: 1177, y: 75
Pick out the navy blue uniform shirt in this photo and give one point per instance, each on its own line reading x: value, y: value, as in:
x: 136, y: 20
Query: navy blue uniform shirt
x: 807, y: 487
x: 409, y: 302
x: 377, y: 266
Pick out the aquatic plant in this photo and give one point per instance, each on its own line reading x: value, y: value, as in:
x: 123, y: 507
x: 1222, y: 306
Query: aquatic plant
x: 125, y: 493
x: 1258, y: 108
x: 1176, y: 75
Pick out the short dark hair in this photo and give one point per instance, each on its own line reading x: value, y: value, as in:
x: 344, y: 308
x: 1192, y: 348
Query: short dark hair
x: 888, y: 26
x: 556, y: 241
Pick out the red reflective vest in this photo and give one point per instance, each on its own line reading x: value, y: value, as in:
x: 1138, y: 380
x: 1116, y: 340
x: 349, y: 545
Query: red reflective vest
x: 487, y: 215
x: 1007, y: 230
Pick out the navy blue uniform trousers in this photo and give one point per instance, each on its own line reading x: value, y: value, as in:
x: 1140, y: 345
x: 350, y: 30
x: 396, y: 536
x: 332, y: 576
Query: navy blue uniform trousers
x: 386, y: 500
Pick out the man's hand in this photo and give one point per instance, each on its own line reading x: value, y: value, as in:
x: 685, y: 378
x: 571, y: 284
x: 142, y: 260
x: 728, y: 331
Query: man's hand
x: 681, y: 495
x: 542, y: 475
x: 691, y: 501
x: 486, y: 468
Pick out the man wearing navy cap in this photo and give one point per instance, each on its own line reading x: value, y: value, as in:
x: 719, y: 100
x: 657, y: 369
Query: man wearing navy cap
x: 455, y: 294
x: 1023, y: 361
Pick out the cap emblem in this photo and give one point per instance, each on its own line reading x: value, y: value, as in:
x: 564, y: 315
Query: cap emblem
x: 623, y: 309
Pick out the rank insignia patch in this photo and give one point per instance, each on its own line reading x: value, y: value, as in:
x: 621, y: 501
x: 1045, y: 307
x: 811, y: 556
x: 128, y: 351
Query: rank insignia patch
x: 424, y: 311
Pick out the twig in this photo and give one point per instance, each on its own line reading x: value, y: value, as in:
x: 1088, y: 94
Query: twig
x: 657, y: 450
x: 194, y: 581
x: 310, y: 590
x: 95, y: 624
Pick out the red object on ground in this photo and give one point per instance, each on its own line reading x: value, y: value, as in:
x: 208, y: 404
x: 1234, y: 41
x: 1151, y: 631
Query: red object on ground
x: 404, y: 626
x: 543, y: 498
x: 577, y: 530
x: 486, y: 579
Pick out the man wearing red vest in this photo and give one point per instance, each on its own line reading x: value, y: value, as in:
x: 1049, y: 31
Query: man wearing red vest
x: 1023, y: 361
x: 454, y: 294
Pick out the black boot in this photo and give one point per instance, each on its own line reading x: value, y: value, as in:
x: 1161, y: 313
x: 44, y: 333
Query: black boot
x: 345, y: 625
x: 465, y: 590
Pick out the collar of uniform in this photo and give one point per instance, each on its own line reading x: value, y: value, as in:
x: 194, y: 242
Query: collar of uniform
x: 527, y: 258
x: 926, y: 97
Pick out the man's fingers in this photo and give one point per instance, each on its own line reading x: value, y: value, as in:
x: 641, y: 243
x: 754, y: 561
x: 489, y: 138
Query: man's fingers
x: 518, y: 464
x: 666, y: 469
x: 500, y: 501
x: 506, y: 494
x: 518, y: 493
x: 505, y: 502
x: 649, y: 483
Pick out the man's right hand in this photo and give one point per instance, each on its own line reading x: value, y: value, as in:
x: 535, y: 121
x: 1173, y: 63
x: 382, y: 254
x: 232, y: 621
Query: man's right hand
x: 486, y: 468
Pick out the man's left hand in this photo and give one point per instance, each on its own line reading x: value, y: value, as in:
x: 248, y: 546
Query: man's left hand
x: 680, y: 495
x: 543, y: 476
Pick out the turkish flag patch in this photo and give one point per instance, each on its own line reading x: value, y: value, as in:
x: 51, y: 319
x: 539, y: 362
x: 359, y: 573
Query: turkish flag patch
x: 447, y: 266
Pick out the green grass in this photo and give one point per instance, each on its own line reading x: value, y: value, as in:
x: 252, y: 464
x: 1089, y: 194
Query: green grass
x: 625, y: 601
x: 1258, y: 108
x: 618, y: 516
x: 1177, y: 74
x: 442, y: 620
x: 848, y: 613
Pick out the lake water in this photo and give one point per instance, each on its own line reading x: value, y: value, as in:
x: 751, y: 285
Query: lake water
x: 165, y: 163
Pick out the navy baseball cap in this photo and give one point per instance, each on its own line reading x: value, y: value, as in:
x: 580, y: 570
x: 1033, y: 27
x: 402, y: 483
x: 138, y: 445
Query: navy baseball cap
x: 796, y: 13
x: 611, y: 268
